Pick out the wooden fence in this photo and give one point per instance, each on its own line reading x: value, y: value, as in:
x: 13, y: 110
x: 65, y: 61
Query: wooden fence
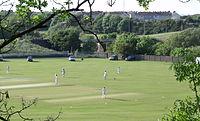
x: 158, y: 58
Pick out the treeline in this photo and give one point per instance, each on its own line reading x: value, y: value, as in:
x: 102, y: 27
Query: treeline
x: 114, y: 23
x: 109, y: 23
x: 64, y: 34
x: 184, y: 43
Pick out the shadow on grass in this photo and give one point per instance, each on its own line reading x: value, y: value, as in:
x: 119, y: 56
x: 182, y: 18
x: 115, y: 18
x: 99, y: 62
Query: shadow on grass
x: 117, y: 99
x: 4, y: 61
x: 33, y: 61
x: 15, y: 73
x: 63, y: 85
x: 73, y: 77
x: 77, y: 61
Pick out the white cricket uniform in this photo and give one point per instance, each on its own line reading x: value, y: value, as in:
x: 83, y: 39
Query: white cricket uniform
x: 63, y: 72
x: 105, y: 75
x: 7, y: 69
x: 104, y: 92
x: 56, y: 79
x: 118, y: 70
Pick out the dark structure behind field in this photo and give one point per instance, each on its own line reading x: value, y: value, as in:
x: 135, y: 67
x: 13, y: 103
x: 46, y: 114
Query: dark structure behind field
x: 158, y: 58
x: 137, y: 57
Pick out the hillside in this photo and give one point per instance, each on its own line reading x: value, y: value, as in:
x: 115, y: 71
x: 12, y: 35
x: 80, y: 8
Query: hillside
x: 25, y: 48
x: 163, y: 36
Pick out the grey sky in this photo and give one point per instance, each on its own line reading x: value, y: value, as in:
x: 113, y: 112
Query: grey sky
x: 192, y: 7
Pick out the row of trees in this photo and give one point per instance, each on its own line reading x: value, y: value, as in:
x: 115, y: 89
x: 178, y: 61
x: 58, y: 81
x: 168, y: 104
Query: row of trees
x: 110, y: 23
x: 130, y: 44
x: 114, y: 23
x: 181, y: 43
x: 106, y: 23
x: 63, y: 39
x: 70, y: 38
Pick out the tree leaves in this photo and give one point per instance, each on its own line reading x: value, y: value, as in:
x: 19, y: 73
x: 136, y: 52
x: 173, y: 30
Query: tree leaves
x: 144, y: 3
x: 24, y: 10
x: 183, y: 110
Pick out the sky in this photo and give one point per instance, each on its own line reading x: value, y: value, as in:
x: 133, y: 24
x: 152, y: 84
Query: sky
x: 189, y: 8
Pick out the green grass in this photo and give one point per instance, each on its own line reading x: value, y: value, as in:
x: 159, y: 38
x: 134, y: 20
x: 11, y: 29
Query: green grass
x: 163, y: 36
x: 151, y: 87
x: 26, y: 46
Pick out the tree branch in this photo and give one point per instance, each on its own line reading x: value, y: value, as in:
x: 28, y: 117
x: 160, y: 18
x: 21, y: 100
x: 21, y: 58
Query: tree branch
x: 184, y: 1
x: 24, y: 107
x: 111, y: 3
x: 3, y: 2
x: 90, y: 6
x: 3, y: 119
x: 86, y: 30
x: 40, y: 24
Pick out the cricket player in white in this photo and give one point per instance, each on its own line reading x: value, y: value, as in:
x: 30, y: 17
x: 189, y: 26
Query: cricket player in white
x: 63, y: 72
x: 105, y: 75
x: 103, y: 92
x: 56, y: 79
x: 118, y: 70
x: 7, y: 69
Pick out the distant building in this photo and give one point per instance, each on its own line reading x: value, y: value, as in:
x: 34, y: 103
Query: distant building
x: 175, y: 15
x: 151, y: 15
x: 156, y: 15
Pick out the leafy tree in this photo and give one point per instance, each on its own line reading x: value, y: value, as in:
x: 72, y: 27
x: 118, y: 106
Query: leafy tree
x: 56, y: 20
x: 195, y: 50
x: 135, y: 24
x: 182, y: 52
x: 108, y: 36
x: 183, y: 110
x: 110, y: 23
x: 65, y: 39
x: 188, y: 109
x: 124, y: 25
x: 97, y: 27
x: 188, y: 70
x: 114, y: 20
x: 125, y: 44
x: 33, y: 35
x: 106, y: 24
x: 86, y: 37
x: 145, y: 45
x: 163, y: 49
x: 57, y: 27
x: 89, y: 46
x: 187, y: 38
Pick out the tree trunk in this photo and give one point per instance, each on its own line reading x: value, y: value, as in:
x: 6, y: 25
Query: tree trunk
x: 197, y: 97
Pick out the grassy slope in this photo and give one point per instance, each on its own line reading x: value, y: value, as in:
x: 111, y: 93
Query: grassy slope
x: 163, y: 36
x: 25, y: 46
x: 152, y: 83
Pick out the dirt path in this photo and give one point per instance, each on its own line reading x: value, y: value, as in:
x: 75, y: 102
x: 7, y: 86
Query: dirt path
x: 27, y: 85
x: 1, y: 77
x: 89, y: 97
